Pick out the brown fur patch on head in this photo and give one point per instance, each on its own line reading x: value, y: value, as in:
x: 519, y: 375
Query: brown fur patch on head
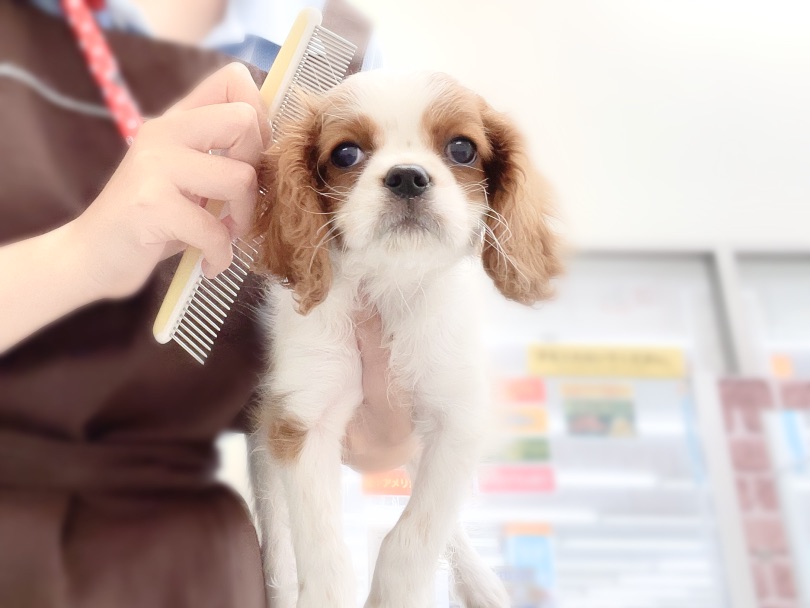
x: 455, y: 112
x: 301, y: 191
x: 290, y: 215
x: 341, y: 124
x: 338, y: 127
x: 521, y: 250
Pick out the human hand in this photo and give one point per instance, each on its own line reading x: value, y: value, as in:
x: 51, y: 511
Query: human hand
x: 151, y: 208
x: 380, y: 436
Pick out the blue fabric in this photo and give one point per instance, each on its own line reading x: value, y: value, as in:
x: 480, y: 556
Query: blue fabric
x: 49, y: 6
x: 253, y: 49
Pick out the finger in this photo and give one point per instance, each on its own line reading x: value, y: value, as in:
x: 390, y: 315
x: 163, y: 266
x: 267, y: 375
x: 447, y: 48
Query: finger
x: 233, y: 127
x: 172, y: 248
x: 229, y: 84
x: 216, y: 177
x: 182, y: 220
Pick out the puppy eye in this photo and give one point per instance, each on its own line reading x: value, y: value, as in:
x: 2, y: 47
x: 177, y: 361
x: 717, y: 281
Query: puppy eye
x: 461, y: 150
x: 347, y: 155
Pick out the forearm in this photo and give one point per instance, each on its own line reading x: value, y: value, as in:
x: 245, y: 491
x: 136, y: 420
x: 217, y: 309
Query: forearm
x: 147, y: 210
x: 41, y: 280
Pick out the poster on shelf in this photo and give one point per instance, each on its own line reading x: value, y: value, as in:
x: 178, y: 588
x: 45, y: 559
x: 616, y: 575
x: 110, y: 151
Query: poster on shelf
x: 524, y: 420
x: 522, y: 391
x: 529, y: 549
x: 599, y: 410
x: 388, y: 483
x: 606, y: 361
x: 523, y: 590
x: 525, y: 449
x: 516, y: 479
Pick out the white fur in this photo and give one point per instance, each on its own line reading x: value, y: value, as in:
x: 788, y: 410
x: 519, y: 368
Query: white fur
x: 423, y: 285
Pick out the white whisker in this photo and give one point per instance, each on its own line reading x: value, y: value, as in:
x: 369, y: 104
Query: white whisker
x: 502, y: 253
x: 327, y: 238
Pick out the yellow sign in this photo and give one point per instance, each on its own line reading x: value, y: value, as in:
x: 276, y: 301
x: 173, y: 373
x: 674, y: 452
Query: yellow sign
x: 596, y: 391
x: 606, y: 361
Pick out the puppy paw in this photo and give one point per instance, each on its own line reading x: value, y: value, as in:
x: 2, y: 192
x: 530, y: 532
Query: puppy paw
x: 482, y: 589
x: 282, y: 599
x: 398, y: 594
x: 282, y: 591
x: 397, y: 603
x: 322, y: 593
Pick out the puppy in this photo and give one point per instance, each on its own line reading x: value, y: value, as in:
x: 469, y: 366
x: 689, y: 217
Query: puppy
x: 382, y: 202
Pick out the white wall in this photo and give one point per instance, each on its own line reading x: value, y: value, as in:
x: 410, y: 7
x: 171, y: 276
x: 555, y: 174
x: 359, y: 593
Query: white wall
x: 659, y: 122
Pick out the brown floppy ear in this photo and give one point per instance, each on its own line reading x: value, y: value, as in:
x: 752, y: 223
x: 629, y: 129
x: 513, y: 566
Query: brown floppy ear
x: 289, y: 214
x: 521, y: 251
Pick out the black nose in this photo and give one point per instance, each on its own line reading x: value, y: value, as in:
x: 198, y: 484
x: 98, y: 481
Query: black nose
x: 407, y: 181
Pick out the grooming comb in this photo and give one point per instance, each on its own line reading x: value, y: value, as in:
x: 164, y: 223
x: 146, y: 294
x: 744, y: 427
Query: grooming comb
x: 312, y: 59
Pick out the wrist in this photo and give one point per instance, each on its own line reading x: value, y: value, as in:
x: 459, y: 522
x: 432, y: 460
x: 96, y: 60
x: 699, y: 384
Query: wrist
x: 41, y: 280
x: 74, y: 263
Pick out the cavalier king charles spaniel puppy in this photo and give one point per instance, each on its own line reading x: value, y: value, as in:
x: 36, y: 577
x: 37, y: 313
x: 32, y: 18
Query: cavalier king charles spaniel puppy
x: 382, y: 202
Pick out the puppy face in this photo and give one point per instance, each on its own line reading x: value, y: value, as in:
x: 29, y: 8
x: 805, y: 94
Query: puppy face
x: 405, y: 171
x: 402, y: 161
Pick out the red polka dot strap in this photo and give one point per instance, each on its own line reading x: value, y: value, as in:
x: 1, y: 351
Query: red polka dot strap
x: 102, y: 64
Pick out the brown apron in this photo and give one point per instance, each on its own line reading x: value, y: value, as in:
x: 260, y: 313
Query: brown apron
x: 106, y: 437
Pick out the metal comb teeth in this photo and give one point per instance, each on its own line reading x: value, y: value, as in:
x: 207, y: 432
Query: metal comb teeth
x: 322, y: 67
x: 211, y: 300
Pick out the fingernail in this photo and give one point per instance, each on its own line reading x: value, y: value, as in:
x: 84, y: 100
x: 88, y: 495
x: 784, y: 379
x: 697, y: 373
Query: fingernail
x: 267, y: 132
x: 206, y: 270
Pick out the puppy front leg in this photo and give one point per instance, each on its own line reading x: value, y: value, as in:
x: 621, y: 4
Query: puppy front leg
x: 477, y: 586
x: 312, y: 392
x: 273, y: 522
x: 312, y: 481
x: 405, y: 571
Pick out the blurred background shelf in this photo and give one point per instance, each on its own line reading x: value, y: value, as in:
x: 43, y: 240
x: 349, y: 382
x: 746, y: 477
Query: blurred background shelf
x: 629, y: 476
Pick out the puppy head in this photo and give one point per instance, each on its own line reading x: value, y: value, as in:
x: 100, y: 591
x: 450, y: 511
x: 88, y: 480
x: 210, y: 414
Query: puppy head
x: 402, y: 173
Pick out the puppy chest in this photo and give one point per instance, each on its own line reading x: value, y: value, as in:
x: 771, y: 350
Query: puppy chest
x: 380, y: 386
